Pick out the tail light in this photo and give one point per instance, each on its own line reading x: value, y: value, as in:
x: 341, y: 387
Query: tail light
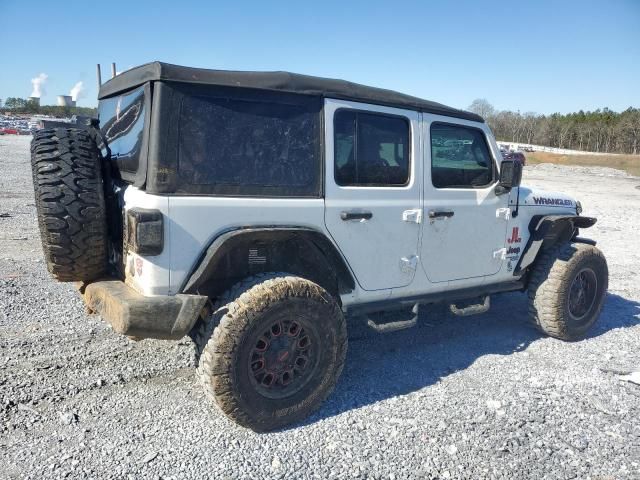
x: 144, y: 233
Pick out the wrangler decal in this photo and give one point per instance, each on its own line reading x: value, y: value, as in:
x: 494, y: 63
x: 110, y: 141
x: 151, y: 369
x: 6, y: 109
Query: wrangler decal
x: 552, y: 201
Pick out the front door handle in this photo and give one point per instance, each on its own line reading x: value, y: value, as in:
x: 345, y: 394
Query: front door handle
x: 440, y: 213
x: 355, y: 215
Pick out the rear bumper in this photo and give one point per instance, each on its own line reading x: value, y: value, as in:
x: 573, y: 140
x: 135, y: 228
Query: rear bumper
x: 134, y: 315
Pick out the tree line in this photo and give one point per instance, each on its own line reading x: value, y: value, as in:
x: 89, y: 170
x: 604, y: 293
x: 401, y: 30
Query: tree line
x: 602, y: 130
x: 598, y: 131
x: 14, y: 105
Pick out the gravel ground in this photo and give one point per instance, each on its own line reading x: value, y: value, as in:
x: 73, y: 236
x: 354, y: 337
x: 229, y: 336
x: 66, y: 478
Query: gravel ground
x: 476, y: 397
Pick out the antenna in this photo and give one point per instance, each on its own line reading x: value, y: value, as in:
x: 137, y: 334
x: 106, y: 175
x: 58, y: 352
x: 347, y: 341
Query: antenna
x: 113, y: 69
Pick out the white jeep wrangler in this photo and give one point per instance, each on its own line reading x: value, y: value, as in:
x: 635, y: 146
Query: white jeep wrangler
x: 256, y: 211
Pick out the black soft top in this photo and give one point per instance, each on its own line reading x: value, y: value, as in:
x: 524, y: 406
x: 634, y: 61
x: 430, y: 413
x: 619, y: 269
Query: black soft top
x: 277, y: 81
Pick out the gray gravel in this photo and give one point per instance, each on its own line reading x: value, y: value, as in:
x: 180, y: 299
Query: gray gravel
x: 476, y: 397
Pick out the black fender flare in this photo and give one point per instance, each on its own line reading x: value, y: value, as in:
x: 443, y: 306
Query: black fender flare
x: 314, y: 242
x: 548, y: 230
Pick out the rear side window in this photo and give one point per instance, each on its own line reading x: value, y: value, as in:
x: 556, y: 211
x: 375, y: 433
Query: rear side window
x: 460, y: 157
x: 122, y: 122
x: 249, y: 146
x: 370, y: 149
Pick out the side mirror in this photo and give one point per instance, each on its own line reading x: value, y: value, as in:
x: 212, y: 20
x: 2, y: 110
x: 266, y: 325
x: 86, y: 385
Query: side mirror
x: 510, y: 176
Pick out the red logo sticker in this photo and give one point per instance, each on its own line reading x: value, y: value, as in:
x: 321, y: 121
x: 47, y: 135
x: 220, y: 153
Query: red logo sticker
x: 515, y: 236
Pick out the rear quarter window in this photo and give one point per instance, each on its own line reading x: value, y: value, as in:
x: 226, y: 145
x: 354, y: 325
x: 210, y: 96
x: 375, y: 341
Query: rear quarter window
x: 249, y: 146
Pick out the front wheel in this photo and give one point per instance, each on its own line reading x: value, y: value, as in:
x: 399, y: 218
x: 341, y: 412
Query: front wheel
x: 567, y: 290
x: 272, y: 351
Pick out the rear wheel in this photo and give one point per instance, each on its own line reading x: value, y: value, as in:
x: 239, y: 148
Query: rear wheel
x: 567, y: 290
x: 272, y: 351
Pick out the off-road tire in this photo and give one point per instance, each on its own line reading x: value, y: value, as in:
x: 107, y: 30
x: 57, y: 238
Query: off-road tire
x: 69, y: 198
x: 224, y: 346
x: 550, y: 286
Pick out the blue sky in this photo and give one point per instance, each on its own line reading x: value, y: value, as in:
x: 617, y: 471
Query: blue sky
x: 543, y: 56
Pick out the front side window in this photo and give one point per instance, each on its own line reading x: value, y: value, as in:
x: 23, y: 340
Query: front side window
x: 370, y: 149
x: 460, y: 157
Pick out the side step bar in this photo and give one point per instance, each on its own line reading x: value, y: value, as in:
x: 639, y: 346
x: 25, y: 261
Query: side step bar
x: 471, y: 309
x: 394, y: 326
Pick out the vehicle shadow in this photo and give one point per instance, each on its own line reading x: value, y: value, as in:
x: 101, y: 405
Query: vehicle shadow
x: 379, y: 367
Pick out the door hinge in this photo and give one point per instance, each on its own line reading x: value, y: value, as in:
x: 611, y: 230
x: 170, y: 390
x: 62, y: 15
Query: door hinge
x: 409, y: 264
x: 500, y: 254
x: 413, y: 216
x: 503, y: 212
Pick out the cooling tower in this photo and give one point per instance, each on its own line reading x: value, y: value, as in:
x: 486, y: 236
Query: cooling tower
x: 65, y: 101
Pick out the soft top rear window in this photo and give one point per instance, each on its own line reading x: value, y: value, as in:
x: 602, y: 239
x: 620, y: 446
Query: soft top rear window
x: 249, y: 145
x: 122, y: 122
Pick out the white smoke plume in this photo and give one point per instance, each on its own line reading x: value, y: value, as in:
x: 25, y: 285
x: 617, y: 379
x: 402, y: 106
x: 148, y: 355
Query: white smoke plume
x: 38, y: 85
x: 77, y: 91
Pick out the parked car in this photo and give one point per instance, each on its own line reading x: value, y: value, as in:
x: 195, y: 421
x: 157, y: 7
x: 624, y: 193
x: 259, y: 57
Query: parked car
x: 256, y: 212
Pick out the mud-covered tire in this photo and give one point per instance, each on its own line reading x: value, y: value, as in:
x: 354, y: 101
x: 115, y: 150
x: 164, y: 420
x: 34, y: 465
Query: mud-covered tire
x: 69, y: 199
x: 243, y: 323
x: 556, y: 306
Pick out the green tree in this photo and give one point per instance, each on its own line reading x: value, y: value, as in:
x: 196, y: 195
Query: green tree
x: 482, y: 107
x: 32, y: 106
x: 15, y: 103
x: 602, y: 130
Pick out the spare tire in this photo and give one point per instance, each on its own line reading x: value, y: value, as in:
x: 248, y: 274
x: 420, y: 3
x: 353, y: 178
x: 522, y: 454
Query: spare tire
x: 69, y: 197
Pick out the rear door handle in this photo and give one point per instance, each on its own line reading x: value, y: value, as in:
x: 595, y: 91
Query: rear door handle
x: 355, y: 215
x: 440, y: 213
